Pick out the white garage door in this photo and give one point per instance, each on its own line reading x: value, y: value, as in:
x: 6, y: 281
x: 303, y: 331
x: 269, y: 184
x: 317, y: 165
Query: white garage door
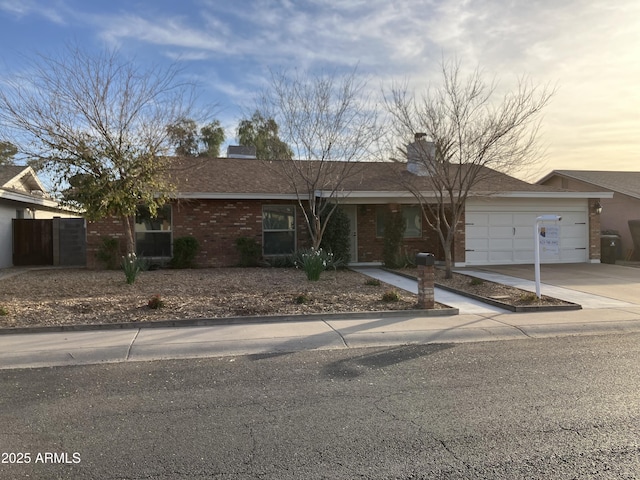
x: 501, y: 231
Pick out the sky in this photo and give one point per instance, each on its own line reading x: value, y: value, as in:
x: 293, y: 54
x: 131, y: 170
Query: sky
x: 588, y: 50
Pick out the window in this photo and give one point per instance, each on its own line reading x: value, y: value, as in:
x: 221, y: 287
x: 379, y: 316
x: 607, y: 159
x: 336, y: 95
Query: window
x: 153, y: 234
x: 412, y: 220
x: 278, y: 229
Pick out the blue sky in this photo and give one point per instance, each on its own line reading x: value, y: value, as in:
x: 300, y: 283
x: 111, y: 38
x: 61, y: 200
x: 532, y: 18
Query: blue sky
x: 589, y: 49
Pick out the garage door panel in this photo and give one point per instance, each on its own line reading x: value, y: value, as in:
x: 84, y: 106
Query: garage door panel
x: 501, y: 219
x: 501, y: 244
x: 500, y: 257
x: 503, y: 233
x: 477, y: 232
x: 478, y: 244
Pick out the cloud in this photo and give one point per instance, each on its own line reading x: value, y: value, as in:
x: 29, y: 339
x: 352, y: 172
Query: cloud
x: 31, y: 7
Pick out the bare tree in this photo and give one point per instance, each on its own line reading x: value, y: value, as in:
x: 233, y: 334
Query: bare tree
x: 328, y: 123
x: 98, y: 124
x: 459, y: 138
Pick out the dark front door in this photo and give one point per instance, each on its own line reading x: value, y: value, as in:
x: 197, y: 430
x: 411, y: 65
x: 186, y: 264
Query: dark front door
x: 32, y: 242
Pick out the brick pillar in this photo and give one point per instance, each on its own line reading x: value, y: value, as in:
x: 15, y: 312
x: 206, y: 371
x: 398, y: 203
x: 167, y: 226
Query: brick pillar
x: 426, y: 280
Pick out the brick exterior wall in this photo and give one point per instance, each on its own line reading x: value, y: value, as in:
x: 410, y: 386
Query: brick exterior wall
x: 216, y: 224
x: 370, y: 247
x: 594, y: 231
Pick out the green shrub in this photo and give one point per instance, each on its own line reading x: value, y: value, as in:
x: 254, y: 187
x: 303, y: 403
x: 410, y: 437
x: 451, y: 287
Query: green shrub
x: 314, y: 262
x: 185, y: 250
x: 390, y: 296
x: 394, y: 226
x: 476, y: 281
x: 337, y: 236
x: 249, y: 251
x: 372, y: 282
x: 109, y: 252
x: 3, y: 312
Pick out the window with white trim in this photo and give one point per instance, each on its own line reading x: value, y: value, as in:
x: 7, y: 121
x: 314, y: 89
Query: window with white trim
x: 278, y: 229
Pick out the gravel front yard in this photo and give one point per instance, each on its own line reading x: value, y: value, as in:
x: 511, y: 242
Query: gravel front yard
x: 79, y: 296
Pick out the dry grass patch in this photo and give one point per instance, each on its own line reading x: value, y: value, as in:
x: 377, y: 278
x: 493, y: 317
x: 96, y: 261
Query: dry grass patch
x: 79, y: 296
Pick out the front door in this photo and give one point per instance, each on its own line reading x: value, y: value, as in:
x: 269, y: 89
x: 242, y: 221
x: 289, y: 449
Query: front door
x: 352, y: 214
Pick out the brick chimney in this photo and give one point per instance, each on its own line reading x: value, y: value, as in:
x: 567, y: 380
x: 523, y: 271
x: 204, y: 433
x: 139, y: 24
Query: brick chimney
x: 420, y: 154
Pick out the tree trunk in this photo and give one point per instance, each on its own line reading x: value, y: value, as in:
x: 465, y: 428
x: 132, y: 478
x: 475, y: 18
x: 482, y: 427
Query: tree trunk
x: 448, y: 259
x: 128, y: 234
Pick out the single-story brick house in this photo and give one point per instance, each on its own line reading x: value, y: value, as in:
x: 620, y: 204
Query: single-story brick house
x: 616, y: 210
x: 219, y: 200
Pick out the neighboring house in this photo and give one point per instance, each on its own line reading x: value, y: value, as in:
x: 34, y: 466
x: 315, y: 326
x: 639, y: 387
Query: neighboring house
x: 616, y: 211
x: 22, y: 196
x: 220, y: 200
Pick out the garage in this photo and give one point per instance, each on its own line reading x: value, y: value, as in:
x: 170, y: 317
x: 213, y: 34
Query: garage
x: 500, y: 231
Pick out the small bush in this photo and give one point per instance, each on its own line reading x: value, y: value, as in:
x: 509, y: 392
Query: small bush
x: 372, y: 282
x: 528, y: 298
x: 394, y: 227
x: 249, y: 251
x: 337, y: 236
x: 476, y: 282
x: 155, y: 302
x: 108, y: 252
x: 314, y: 262
x: 185, y: 250
x: 390, y: 296
x: 3, y: 312
x: 301, y: 299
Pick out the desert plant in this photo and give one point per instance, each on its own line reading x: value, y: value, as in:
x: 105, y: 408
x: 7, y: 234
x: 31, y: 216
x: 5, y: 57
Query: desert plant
x: 394, y: 226
x: 314, y: 262
x: 337, y: 236
x: 131, y: 267
x: 155, y: 302
x: 390, y: 296
x: 528, y: 298
x: 476, y: 282
x: 108, y: 252
x: 372, y: 282
x: 249, y: 251
x: 185, y: 250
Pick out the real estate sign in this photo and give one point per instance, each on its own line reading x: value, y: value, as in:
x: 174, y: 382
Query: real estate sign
x: 549, y: 238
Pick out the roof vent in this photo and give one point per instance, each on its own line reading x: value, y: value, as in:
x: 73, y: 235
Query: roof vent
x: 241, y: 151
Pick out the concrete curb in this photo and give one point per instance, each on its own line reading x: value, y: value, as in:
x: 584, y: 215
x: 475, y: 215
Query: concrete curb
x: 203, y: 322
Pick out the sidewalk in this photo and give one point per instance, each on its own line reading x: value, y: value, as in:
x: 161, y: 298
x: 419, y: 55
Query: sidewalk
x: 77, y: 348
x: 475, y: 323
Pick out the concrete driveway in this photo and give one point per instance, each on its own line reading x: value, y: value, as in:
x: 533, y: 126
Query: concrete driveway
x: 611, y: 281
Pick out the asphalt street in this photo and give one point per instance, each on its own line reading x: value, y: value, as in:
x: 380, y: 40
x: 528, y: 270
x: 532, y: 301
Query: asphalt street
x: 552, y: 408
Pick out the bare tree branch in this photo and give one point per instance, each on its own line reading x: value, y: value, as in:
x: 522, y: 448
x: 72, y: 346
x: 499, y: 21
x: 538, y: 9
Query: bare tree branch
x: 330, y: 125
x: 458, y: 137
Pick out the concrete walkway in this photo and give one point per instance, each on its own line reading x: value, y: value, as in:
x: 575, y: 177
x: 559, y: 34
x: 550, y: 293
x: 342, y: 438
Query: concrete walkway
x: 464, y: 304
